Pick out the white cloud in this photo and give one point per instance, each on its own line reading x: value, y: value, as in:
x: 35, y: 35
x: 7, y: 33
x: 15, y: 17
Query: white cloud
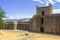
x: 57, y: 0
x: 56, y: 11
x: 47, y: 1
x: 41, y: 1
x: 51, y: 1
x: 36, y: 0
x: 18, y: 16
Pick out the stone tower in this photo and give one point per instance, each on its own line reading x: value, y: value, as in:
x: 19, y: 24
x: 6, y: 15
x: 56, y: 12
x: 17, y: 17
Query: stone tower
x: 40, y: 13
x: 38, y: 21
x: 44, y: 10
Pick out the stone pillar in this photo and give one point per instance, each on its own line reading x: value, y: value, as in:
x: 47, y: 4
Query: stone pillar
x: 15, y: 25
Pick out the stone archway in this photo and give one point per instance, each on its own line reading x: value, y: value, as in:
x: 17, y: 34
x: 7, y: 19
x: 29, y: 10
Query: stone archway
x: 41, y: 29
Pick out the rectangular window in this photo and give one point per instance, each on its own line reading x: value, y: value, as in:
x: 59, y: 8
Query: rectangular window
x: 41, y: 20
x: 42, y: 13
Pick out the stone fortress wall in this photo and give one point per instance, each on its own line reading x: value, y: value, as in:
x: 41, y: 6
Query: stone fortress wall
x: 44, y: 21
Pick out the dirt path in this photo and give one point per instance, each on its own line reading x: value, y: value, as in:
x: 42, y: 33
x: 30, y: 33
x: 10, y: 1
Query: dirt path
x: 24, y: 35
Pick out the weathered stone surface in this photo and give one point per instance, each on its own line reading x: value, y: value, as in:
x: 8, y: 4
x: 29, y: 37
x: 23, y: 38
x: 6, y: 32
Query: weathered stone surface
x: 43, y: 21
x: 51, y: 22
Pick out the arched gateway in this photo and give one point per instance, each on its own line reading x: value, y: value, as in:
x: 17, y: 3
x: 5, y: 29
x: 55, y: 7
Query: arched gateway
x: 41, y: 29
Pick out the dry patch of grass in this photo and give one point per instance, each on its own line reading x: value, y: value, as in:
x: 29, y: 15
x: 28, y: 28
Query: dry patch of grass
x: 24, y: 35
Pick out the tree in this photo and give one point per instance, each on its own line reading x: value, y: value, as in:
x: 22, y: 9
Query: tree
x: 2, y: 15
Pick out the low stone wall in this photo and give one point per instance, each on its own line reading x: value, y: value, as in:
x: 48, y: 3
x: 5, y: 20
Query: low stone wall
x: 19, y: 26
x: 9, y: 26
x: 23, y: 26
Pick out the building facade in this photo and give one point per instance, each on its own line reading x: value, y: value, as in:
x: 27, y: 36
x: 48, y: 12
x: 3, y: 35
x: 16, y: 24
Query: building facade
x: 43, y: 21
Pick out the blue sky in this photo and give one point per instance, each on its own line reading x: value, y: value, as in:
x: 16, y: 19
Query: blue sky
x: 17, y: 9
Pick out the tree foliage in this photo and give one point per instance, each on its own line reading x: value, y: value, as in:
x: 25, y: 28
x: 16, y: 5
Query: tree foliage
x: 2, y: 15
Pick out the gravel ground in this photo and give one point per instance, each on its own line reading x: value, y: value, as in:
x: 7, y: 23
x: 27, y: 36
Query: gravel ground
x: 25, y: 35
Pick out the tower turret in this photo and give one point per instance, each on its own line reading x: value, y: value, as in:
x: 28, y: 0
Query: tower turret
x: 44, y: 10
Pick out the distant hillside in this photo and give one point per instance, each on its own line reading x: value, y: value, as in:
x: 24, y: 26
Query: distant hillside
x: 24, y: 20
x: 19, y: 20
